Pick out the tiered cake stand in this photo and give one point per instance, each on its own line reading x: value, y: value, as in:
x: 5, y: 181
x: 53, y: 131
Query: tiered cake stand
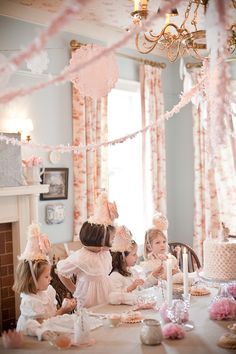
x: 221, y: 283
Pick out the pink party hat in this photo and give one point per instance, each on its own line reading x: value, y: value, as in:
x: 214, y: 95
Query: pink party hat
x: 159, y: 221
x: 105, y: 212
x: 37, y: 246
x: 122, y: 240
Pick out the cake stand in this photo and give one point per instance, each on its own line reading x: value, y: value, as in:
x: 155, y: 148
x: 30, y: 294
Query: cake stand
x: 221, y: 283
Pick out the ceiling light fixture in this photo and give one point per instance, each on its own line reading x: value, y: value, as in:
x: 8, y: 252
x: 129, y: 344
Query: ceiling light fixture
x: 175, y: 40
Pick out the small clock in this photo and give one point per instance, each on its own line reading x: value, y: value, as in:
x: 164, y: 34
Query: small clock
x: 54, y: 157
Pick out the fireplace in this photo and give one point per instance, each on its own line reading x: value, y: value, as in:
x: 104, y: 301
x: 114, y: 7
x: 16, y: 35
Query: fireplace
x: 18, y: 208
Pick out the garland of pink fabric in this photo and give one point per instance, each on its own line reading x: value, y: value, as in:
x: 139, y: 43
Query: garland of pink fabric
x: 65, y: 75
x: 185, y: 99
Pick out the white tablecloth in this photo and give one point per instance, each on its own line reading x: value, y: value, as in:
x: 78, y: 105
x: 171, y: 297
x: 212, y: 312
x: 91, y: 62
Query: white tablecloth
x: 125, y: 338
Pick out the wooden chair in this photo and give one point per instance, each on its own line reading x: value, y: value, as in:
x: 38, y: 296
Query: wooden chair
x: 61, y: 291
x: 177, y: 249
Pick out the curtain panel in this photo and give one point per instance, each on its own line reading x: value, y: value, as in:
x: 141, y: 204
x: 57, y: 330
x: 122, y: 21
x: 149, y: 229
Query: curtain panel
x: 90, y: 166
x: 152, y: 102
x: 214, y: 179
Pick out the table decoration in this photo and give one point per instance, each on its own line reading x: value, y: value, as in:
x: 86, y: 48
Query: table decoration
x: 232, y: 328
x: 197, y: 290
x: 163, y: 313
x: 222, y: 308
x: 169, y: 285
x: 151, y: 333
x: 173, y: 331
x: 185, y: 272
x: 61, y: 341
x: 12, y: 339
x: 228, y: 340
x: 114, y: 319
x: 232, y: 289
x: 131, y: 317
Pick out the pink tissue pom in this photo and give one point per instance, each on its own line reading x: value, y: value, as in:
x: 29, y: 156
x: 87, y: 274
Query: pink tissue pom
x: 173, y: 331
x: 223, y: 309
x: 232, y: 289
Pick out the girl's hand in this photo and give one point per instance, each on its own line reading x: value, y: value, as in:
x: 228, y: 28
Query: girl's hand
x: 135, y: 284
x: 175, y: 270
x: 158, y: 271
x: 68, y: 305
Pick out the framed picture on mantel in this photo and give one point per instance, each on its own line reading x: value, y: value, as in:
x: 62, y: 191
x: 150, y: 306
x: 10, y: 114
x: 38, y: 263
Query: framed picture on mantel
x: 57, y: 178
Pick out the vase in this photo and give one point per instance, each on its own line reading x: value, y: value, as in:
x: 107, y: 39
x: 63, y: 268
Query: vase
x: 33, y: 174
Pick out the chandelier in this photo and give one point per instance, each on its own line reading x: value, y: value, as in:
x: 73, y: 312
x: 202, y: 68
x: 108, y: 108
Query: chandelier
x: 175, y: 40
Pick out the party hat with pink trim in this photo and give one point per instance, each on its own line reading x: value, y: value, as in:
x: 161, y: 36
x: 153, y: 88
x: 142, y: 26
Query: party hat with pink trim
x: 160, y: 221
x: 122, y: 240
x: 38, y: 245
x: 105, y: 212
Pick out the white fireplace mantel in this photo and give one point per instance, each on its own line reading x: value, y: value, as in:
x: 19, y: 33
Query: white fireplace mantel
x: 19, y: 205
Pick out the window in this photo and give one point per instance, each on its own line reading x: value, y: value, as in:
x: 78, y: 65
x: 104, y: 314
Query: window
x: 125, y: 159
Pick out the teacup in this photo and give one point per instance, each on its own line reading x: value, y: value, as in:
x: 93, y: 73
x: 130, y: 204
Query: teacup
x: 114, y: 319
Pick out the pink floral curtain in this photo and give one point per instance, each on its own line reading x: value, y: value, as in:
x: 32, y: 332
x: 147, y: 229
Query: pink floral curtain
x: 152, y: 101
x: 214, y: 180
x: 90, y: 167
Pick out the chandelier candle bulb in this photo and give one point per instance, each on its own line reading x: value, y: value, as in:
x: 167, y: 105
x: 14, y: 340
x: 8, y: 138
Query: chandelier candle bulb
x: 185, y: 273
x: 169, y: 286
x: 136, y: 5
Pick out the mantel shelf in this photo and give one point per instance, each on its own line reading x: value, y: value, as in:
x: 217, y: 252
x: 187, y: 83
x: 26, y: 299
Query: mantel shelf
x: 24, y: 190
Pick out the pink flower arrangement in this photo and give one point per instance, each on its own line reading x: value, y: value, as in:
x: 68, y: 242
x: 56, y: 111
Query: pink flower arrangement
x: 223, y: 309
x: 232, y: 289
x: 33, y: 161
x: 173, y: 331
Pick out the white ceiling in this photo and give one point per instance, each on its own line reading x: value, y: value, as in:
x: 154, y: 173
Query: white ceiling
x: 105, y: 20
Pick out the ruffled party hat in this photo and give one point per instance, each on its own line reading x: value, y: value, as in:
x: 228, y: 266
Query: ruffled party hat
x: 122, y: 240
x: 38, y: 245
x: 105, y: 212
x: 160, y: 221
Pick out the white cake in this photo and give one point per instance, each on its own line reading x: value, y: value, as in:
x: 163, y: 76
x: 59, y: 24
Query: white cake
x: 219, y: 259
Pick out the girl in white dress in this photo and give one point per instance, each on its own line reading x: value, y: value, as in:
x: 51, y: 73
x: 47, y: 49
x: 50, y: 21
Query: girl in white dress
x: 32, y: 281
x: 156, y: 247
x: 92, y: 263
x: 125, y: 280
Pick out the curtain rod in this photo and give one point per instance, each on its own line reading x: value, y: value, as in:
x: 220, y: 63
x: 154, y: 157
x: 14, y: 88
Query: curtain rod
x: 74, y: 44
x: 199, y: 63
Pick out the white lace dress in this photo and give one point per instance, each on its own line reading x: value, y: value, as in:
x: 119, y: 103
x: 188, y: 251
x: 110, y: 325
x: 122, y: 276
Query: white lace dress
x: 92, y: 275
x: 119, y: 284
x: 36, y: 306
x: 149, y: 265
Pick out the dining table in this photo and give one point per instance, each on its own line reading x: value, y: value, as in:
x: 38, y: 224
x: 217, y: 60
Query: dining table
x: 125, y: 338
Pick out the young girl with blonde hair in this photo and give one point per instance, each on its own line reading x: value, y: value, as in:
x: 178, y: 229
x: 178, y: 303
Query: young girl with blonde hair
x: 156, y: 249
x: 32, y: 282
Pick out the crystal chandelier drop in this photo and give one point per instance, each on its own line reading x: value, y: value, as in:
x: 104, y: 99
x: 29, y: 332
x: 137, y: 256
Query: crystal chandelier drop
x: 177, y: 41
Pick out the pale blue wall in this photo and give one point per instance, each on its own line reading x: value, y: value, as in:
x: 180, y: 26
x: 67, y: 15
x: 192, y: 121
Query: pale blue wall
x: 50, y: 110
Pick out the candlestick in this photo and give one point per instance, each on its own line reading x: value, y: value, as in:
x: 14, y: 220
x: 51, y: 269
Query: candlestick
x: 185, y: 273
x: 169, y: 280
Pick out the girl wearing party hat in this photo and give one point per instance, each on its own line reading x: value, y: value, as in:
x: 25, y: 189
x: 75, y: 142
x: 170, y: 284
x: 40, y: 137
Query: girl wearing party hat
x: 125, y: 280
x: 92, y: 263
x: 32, y: 281
x: 156, y: 249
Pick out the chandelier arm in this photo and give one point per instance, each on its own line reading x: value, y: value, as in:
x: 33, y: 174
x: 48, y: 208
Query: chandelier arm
x: 144, y: 51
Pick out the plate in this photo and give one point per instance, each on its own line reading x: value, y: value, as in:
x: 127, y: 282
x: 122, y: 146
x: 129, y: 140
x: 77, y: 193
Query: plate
x: 232, y: 328
x: 135, y: 320
x: 199, y: 291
